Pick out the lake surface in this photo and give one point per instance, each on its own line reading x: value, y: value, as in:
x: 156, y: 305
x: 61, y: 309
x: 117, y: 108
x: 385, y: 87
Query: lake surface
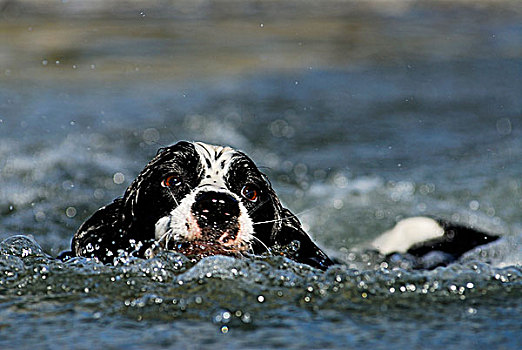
x: 361, y: 113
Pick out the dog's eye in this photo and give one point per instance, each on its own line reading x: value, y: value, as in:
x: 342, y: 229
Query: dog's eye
x: 170, y: 181
x: 250, y: 192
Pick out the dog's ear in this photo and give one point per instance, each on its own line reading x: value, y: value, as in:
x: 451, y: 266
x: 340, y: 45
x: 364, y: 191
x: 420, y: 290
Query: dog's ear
x: 297, y: 243
x: 103, y: 235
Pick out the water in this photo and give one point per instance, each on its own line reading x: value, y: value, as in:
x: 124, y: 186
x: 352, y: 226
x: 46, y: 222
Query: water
x: 360, y: 114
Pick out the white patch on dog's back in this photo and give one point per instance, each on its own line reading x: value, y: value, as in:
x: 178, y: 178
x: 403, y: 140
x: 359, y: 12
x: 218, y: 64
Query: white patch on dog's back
x: 407, y: 233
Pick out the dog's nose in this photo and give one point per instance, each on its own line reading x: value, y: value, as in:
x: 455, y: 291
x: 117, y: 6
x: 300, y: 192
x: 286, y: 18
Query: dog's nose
x: 215, y: 208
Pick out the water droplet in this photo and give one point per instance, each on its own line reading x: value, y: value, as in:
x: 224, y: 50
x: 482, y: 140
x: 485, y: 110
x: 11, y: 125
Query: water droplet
x: 224, y: 329
x: 261, y: 25
x: 98, y: 193
x: 67, y: 185
x: 44, y: 62
x: 70, y: 212
x: 504, y: 126
x: 246, y: 318
x: 39, y: 216
x: 261, y: 299
x: 151, y: 136
x: 118, y: 178
x: 474, y: 205
x: 26, y: 252
x: 142, y: 13
x: 338, y: 203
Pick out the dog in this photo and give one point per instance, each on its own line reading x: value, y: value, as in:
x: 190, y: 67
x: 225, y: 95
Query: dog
x: 201, y: 200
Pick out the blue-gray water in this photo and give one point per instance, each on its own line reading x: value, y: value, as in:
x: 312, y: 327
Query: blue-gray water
x: 360, y: 113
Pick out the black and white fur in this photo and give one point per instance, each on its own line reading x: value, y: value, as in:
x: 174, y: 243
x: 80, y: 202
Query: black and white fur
x: 200, y: 200
x: 428, y: 242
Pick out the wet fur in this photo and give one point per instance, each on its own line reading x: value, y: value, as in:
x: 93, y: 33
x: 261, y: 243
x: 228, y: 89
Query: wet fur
x: 149, y: 217
x: 128, y: 224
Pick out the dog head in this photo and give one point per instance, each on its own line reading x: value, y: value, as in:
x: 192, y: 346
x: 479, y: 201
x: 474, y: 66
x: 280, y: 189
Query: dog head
x: 200, y: 200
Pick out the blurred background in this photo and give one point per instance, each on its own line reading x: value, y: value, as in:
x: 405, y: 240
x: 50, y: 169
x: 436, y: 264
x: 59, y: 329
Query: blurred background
x: 361, y: 112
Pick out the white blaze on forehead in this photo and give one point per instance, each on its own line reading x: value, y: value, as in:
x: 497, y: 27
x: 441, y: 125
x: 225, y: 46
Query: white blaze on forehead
x: 216, y: 161
x: 407, y: 233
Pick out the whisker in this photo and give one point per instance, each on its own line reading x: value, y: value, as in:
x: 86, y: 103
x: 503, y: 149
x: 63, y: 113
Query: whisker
x: 260, y: 242
x: 268, y: 221
x: 260, y: 205
x: 284, y: 218
x: 303, y: 212
x: 166, y: 236
x: 173, y: 197
x: 158, y: 144
x: 281, y: 219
